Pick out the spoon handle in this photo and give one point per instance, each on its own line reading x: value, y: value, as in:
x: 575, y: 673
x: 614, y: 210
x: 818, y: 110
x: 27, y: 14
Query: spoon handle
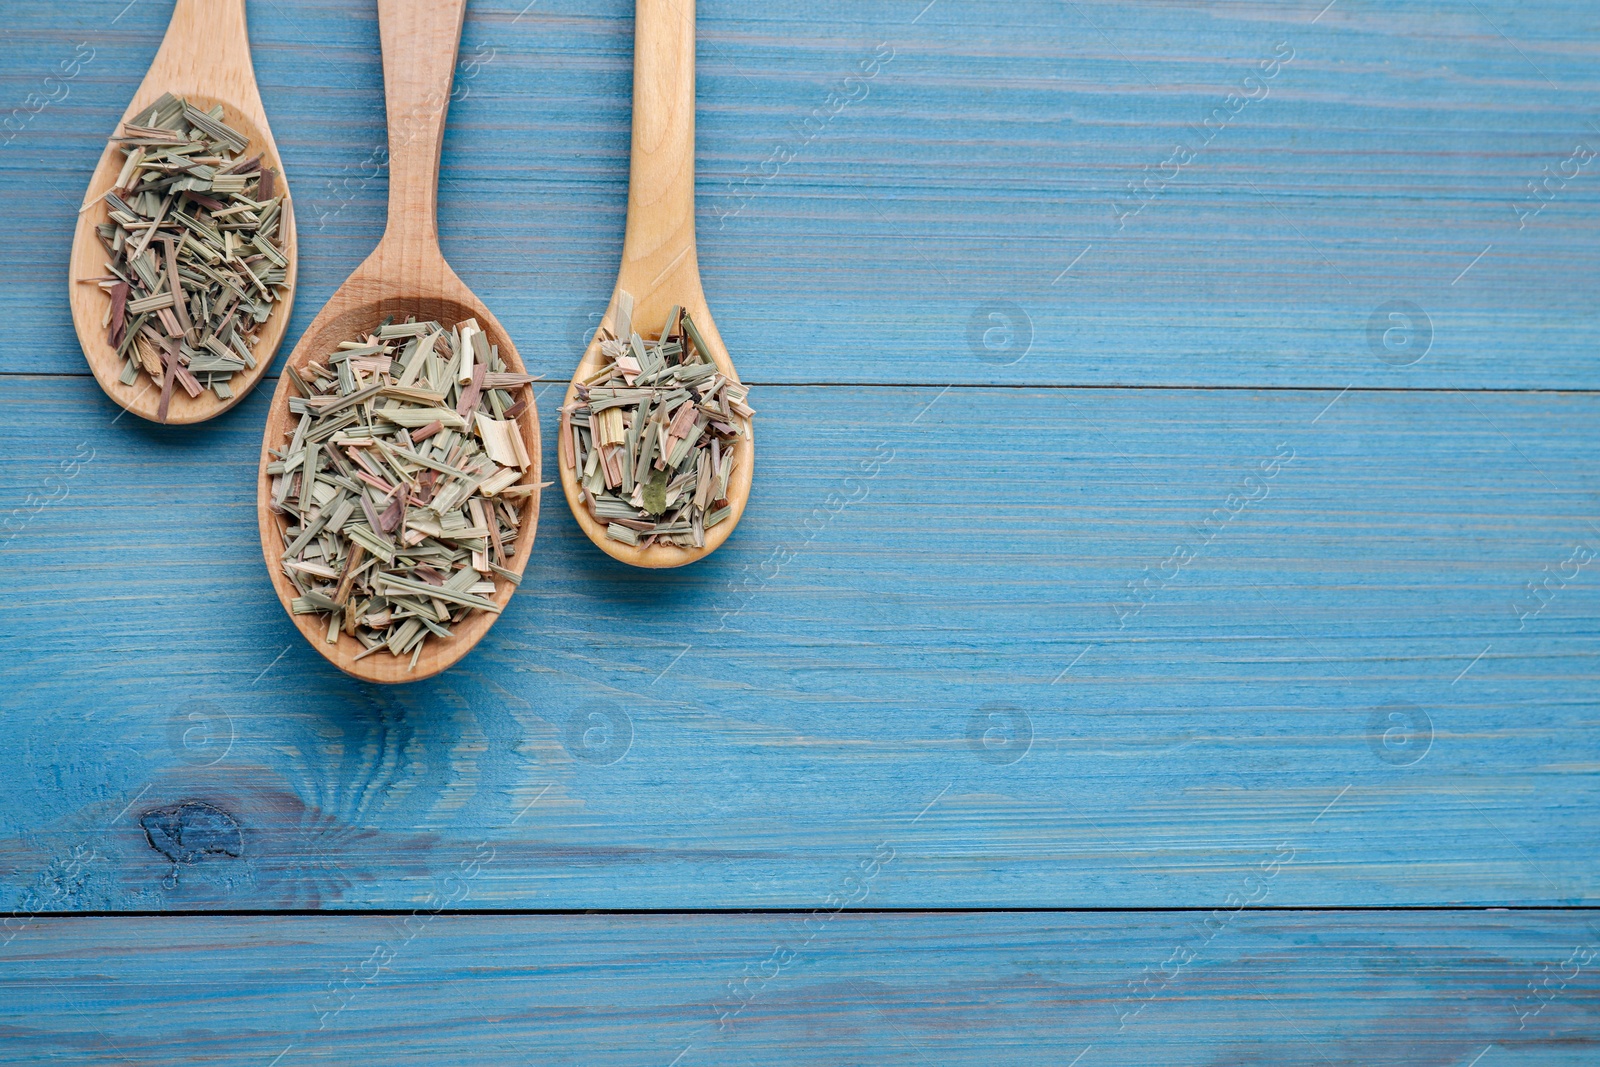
x: 660, y: 235
x: 420, y: 41
x: 206, y: 50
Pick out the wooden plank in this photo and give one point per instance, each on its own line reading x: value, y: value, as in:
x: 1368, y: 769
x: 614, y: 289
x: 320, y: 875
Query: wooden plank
x: 923, y: 634
x: 1380, y: 989
x: 930, y: 228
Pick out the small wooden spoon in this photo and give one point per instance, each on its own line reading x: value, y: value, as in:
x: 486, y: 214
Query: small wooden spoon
x: 659, y: 265
x: 204, y: 58
x: 405, y: 275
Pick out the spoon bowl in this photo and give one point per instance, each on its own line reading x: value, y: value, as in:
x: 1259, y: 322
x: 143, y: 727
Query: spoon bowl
x: 650, y: 308
x: 660, y: 267
x: 204, y: 58
x: 406, y: 275
x: 356, y: 309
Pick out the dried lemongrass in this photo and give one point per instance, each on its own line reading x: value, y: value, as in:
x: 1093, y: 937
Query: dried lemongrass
x: 650, y: 437
x: 400, y: 497
x: 195, y: 236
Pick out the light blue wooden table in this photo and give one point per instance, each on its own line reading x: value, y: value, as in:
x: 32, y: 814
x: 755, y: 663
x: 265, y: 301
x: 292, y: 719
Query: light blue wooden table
x: 1164, y: 631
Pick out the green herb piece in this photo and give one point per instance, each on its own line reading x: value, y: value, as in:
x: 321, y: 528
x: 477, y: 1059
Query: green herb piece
x: 196, y: 247
x: 398, y: 519
x: 651, y: 436
x: 655, y: 491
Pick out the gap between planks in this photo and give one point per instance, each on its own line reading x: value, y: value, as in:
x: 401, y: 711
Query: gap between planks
x: 755, y: 383
x: 1468, y: 909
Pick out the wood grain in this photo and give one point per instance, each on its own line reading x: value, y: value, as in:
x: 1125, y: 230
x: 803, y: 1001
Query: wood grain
x: 406, y: 275
x: 204, y: 58
x: 1035, y: 646
x: 1376, y: 989
x: 739, y: 733
x: 980, y: 162
x: 660, y: 268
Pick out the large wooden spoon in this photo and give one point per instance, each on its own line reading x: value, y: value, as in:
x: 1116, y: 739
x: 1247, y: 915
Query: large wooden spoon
x: 405, y: 275
x: 660, y: 268
x: 204, y: 58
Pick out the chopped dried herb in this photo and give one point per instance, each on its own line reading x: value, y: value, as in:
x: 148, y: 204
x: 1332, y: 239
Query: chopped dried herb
x: 195, y: 236
x: 399, y: 492
x: 650, y: 437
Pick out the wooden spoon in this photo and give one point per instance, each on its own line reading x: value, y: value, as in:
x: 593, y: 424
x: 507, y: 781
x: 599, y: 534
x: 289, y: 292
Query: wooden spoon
x: 659, y: 264
x: 204, y: 58
x: 405, y: 275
